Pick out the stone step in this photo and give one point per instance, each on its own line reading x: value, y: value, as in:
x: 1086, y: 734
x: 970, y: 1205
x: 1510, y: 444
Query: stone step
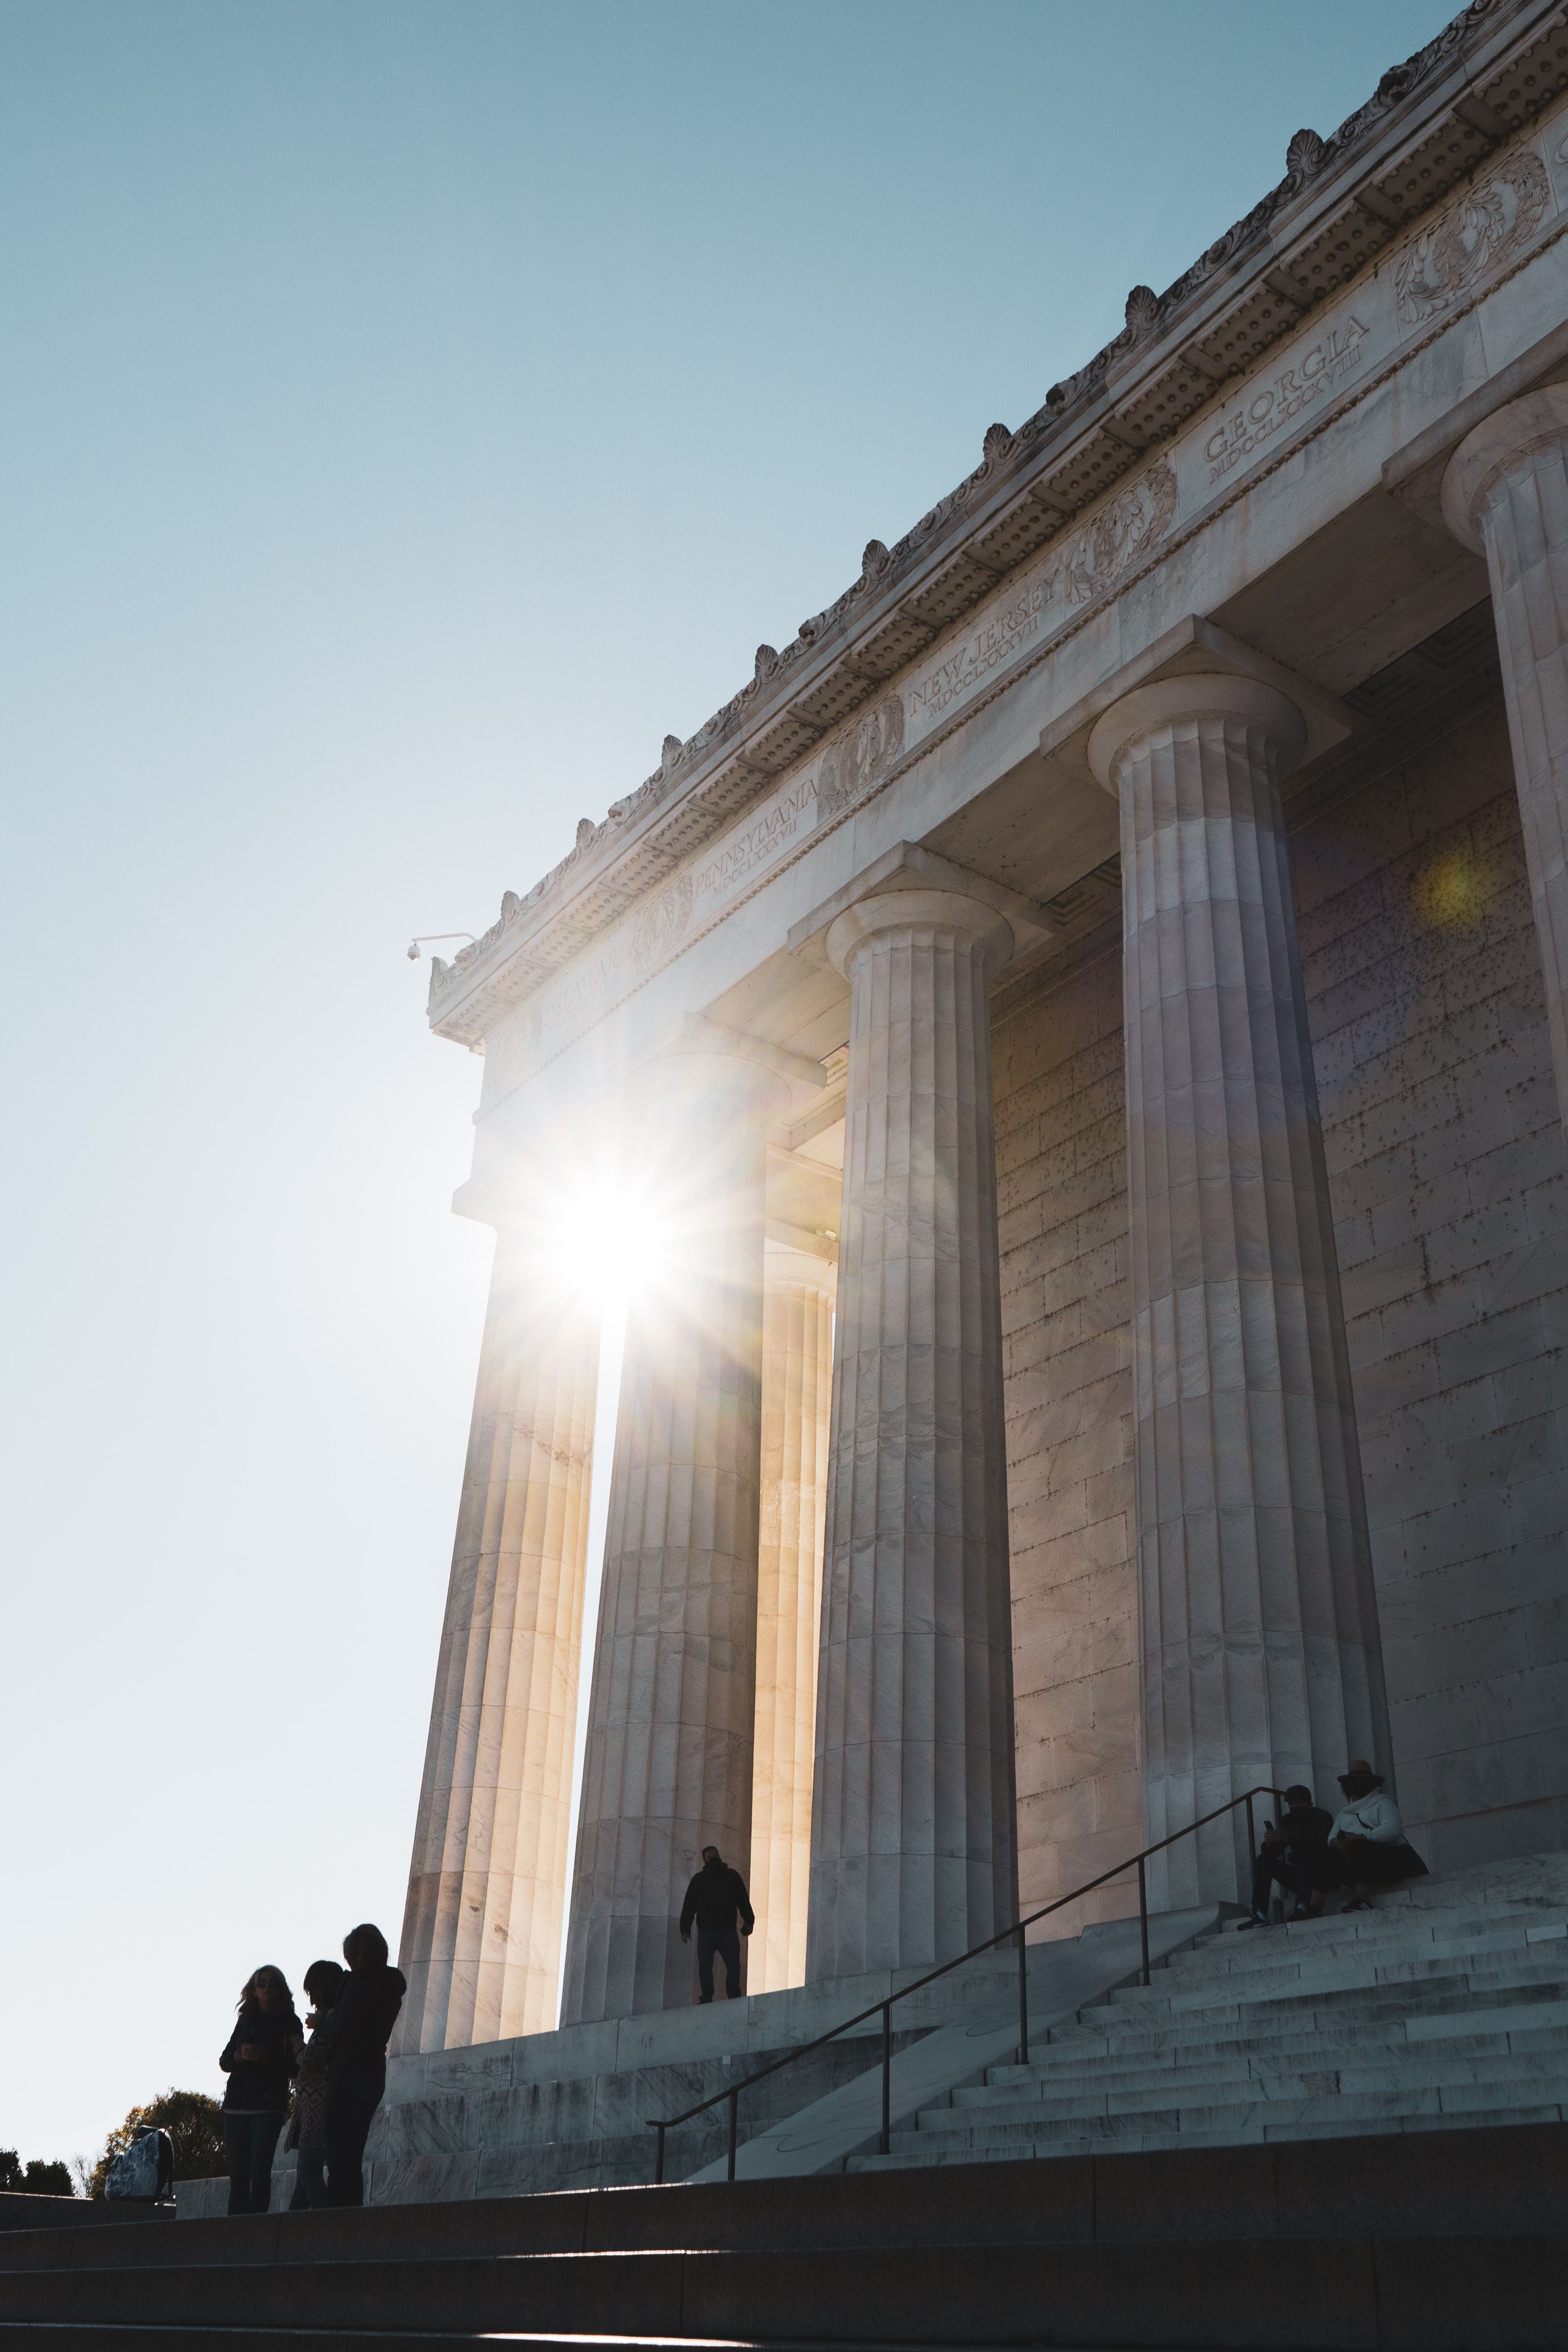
x: 1275, y: 2137
x: 1236, y: 1942
x: 1201, y: 2088
x: 1206, y: 2108
x: 1469, y: 2228
x: 116, y: 2335
x: 1282, y: 1965
x: 1154, y: 2011
x: 1447, y: 2290
x: 1274, y: 1951
x: 1350, y: 1972
x: 1372, y: 2008
x: 1531, y: 1980
x: 1251, y: 2028
x: 1325, y: 2070
x: 1536, y: 2026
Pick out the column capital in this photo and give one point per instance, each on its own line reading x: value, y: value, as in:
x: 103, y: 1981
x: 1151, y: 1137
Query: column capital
x: 1195, y: 694
x: 783, y: 1262
x: 949, y: 914
x: 753, y: 1074
x: 907, y: 869
x: 1486, y: 456
x: 1192, y: 647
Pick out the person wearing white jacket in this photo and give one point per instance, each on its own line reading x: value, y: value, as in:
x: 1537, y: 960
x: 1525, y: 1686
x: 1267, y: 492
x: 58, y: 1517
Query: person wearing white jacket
x: 1367, y: 1845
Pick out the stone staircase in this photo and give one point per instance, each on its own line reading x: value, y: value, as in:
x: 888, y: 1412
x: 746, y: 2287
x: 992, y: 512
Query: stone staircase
x: 1445, y: 2006
x: 1415, y: 2244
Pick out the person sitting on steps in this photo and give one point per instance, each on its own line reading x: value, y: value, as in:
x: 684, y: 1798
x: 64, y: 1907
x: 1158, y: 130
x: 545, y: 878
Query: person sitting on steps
x: 1367, y: 1845
x: 1303, y: 1832
x: 715, y: 1898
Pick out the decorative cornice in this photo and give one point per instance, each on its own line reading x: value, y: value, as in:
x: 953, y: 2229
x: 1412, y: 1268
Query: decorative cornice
x: 1488, y: 74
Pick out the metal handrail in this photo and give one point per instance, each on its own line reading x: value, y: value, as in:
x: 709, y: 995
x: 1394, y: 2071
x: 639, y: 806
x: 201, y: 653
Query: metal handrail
x: 1017, y: 1927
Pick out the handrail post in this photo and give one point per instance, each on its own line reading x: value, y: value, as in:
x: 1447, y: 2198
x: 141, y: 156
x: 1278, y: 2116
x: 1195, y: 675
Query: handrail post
x: 1144, y: 1912
x: 1251, y: 1848
x: 734, y: 2129
x: 1023, y: 2001
x: 658, y: 2160
x: 886, y: 2142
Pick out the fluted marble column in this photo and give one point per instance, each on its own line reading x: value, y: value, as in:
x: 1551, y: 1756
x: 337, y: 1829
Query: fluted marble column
x: 1260, y: 1656
x: 481, y: 1935
x: 912, y: 1840
x: 797, y: 1378
x: 669, y: 1760
x: 1505, y: 494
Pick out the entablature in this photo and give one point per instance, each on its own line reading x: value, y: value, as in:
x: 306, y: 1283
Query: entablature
x: 1343, y: 202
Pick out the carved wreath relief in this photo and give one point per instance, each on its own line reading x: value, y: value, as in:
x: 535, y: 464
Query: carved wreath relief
x: 662, y: 923
x: 1474, y: 235
x: 865, y: 754
x: 1137, y: 519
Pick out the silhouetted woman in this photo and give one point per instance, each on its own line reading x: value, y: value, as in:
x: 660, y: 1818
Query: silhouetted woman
x: 325, y: 1981
x: 259, y: 2061
x: 356, y: 2061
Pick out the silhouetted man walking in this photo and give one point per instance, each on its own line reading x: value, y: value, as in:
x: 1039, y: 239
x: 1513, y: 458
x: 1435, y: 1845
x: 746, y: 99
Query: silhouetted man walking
x: 715, y: 1899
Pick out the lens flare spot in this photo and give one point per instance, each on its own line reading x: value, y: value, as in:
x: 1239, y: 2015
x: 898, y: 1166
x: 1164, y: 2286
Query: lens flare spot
x: 1456, y: 892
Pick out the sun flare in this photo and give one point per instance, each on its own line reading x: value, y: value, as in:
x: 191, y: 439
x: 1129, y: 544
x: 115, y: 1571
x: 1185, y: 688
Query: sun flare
x: 607, y: 1243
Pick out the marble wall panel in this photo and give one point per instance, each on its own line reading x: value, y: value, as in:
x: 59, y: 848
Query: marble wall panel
x: 1450, y: 1191
x: 1061, y: 1174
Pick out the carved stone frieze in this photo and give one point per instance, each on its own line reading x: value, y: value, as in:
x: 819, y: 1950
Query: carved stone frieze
x: 861, y: 758
x: 1133, y: 523
x: 1475, y: 235
x: 662, y: 922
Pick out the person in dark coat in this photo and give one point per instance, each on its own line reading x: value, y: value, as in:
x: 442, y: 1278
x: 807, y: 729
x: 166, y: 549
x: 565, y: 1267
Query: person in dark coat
x: 325, y: 1981
x: 1287, y: 1854
x: 259, y: 2058
x: 716, y: 1899
x: 356, y: 2061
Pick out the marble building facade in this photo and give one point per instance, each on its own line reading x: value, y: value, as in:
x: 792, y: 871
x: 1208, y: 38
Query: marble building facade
x: 1088, y: 1017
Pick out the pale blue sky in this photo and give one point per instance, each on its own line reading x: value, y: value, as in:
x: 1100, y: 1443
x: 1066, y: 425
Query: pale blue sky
x: 411, y: 411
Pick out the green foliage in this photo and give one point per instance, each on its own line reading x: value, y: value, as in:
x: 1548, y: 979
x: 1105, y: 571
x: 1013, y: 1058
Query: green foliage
x: 195, y: 2125
x: 43, y: 2179
x: 39, y: 2178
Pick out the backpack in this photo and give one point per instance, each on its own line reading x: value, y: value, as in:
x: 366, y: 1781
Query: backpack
x: 145, y: 2170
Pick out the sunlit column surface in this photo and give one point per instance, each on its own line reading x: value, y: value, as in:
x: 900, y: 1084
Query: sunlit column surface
x: 1506, y: 494
x: 481, y: 1936
x: 913, y: 1843
x: 669, y: 1758
x: 797, y: 1376
x: 1260, y: 1659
